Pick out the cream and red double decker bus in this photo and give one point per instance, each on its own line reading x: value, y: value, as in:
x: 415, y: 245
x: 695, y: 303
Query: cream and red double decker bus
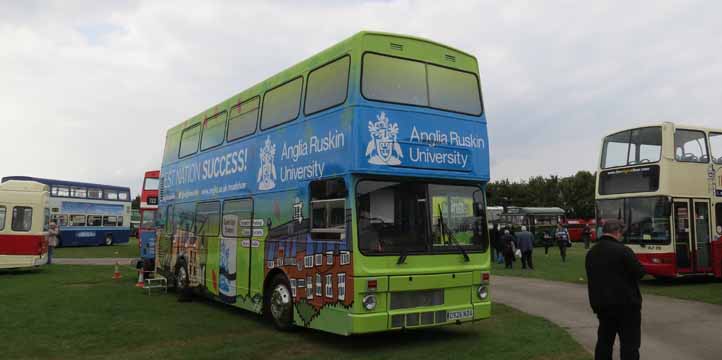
x: 24, y: 217
x: 665, y: 182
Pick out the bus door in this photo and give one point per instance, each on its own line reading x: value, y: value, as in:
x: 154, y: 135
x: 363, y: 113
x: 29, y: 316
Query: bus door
x: 692, y: 235
x: 683, y: 248
x: 235, y: 249
x: 703, y: 235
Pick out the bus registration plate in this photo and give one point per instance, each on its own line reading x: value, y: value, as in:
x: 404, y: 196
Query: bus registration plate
x: 459, y: 314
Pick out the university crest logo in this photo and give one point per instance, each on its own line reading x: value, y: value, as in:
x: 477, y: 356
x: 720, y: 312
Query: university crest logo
x: 383, y: 148
x: 267, y: 171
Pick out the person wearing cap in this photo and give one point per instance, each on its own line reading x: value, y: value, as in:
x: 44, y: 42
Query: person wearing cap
x: 525, y: 239
x: 613, y: 274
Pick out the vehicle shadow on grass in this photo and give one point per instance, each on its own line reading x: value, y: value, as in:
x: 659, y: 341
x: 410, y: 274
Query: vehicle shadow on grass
x: 356, y: 343
x: 22, y: 271
x: 686, y: 280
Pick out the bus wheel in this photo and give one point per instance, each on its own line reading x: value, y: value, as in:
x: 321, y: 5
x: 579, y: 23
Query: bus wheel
x: 108, y: 240
x: 279, y: 303
x: 182, y: 282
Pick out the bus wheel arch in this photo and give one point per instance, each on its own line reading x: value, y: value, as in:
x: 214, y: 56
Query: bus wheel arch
x: 278, y: 300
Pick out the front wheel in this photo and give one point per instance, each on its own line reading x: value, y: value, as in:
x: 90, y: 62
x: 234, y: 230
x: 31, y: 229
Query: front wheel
x: 279, y: 303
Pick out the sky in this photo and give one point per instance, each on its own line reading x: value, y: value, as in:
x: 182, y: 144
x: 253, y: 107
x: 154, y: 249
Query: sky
x: 88, y: 88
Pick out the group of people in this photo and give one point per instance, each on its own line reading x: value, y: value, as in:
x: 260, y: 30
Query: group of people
x: 510, y: 245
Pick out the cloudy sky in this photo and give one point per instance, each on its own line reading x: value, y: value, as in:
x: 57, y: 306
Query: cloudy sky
x: 88, y: 88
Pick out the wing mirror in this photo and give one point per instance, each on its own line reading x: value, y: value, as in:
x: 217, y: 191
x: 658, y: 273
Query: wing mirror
x: 719, y: 230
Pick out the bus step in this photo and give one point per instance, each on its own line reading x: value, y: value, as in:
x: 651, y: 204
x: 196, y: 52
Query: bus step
x: 157, y: 282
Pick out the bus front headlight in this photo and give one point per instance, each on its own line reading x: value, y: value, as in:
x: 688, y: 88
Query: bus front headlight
x: 483, y: 292
x: 369, y: 302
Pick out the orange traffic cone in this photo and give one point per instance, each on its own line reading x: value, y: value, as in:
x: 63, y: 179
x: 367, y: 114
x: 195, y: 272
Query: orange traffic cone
x: 140, y: 279
x: 116, y: 274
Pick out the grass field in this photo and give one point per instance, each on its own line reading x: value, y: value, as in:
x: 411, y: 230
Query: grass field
x: 129, y: 250
x: 79, y: 312
x: 551, y: 267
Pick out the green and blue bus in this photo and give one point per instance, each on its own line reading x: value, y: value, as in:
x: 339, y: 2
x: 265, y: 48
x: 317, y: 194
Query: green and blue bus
x: 345, y: 193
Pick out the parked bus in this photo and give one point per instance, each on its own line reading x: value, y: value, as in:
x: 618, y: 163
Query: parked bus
x: 87, y: 214
x: 493, y: 214
x: 538, y: 220
x: 24, y: 218
x: 148, y: 211
x: 576, y: 229
x: 134, y: 222
x: 344, y: 194
x: 664, y: 181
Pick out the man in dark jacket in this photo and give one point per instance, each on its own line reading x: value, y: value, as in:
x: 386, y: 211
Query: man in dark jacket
x: 525, y: 240
x: 613, y: 274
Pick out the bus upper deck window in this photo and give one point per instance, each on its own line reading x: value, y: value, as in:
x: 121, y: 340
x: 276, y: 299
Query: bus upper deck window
x: 189, y: 140
x: 95, y: 194
x: 281, y: 104
x: 690, y: 146
x: 453, y: 90
x: 394, y: 80
x: 214, y: 129
x: 123, y: 195
x: 327, y: 86
x: 111, y: 195
x: 78, y: 192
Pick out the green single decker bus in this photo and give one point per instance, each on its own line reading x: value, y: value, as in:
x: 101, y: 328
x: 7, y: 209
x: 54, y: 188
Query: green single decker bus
x: 345, y: 194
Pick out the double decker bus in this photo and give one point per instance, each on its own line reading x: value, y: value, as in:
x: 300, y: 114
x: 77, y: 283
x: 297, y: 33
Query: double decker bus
x: 344, y: 194
x: 664, y: 181
x: 87, y: 214
x: 24, y: 219
x: 148, y: 211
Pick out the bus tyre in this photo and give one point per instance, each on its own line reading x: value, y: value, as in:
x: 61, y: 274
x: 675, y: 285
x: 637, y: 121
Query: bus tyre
x: 182, y: 282
x: 279, y: 303
x: 108, y: 240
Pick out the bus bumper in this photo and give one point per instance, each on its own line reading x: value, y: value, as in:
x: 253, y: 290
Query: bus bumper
x: 419, y: 318
x: 661, y: 265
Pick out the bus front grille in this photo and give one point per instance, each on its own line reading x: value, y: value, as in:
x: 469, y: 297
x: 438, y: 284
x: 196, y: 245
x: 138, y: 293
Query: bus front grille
x: 416, y: 319
x: 413, y: 299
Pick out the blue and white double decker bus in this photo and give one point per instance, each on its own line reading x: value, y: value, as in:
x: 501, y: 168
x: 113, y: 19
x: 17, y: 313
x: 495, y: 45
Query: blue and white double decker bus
x: 87, y: 214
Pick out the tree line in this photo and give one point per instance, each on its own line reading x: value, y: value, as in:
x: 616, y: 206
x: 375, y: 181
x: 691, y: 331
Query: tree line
x: 574, y: 194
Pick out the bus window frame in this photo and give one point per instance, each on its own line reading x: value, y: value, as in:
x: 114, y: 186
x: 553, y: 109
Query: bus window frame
x: 3, y: 219
x: 706, y: 144
x: 223, y: 213
x: 203, y: 131
x: 348, y: 85
x: 712, y: 155
x: 220, y: 218
x: 301, y: 101
x: 180, y: 141
x: 257, y: 122
x: 604, y: 148
x: 12, y: 223
x: 478, y: 85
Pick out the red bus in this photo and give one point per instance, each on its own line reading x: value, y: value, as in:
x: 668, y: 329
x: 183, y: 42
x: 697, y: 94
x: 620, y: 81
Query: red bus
x: 148, y: 209
x: 576, y: 228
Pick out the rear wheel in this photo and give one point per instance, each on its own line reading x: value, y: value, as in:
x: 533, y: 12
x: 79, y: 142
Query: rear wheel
x: 108, y: 240
x: 182, y: 282
x: 279, y: 303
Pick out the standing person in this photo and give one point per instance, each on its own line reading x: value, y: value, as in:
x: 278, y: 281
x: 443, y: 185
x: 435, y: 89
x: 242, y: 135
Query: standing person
x: 509, y: 249
x: 547, y: 242
x: 587, y: 235
x: 562, y: 237
x: 525, y: 240
x: 613, y: 274
x: 495, y: 243
x: 52, y: 240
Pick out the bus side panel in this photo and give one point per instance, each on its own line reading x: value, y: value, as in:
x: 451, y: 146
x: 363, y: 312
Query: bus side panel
x: 92, y: 236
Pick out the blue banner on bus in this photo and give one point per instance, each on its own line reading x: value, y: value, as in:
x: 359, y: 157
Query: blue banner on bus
x: 69, y: 207
x: 404, y: 143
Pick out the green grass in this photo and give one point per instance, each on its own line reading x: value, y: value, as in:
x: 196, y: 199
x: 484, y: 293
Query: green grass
x: 79, y: 312
x: 705, y: 289
x: 129, y: 250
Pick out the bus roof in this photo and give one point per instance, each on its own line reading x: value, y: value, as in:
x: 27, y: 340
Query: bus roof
x: 361, y: 40
x: 20, y: 185
x: 667, y: 123
x: 51, y: 182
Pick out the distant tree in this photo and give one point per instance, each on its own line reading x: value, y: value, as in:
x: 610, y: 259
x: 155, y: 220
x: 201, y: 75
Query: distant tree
x: 574, y: 194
